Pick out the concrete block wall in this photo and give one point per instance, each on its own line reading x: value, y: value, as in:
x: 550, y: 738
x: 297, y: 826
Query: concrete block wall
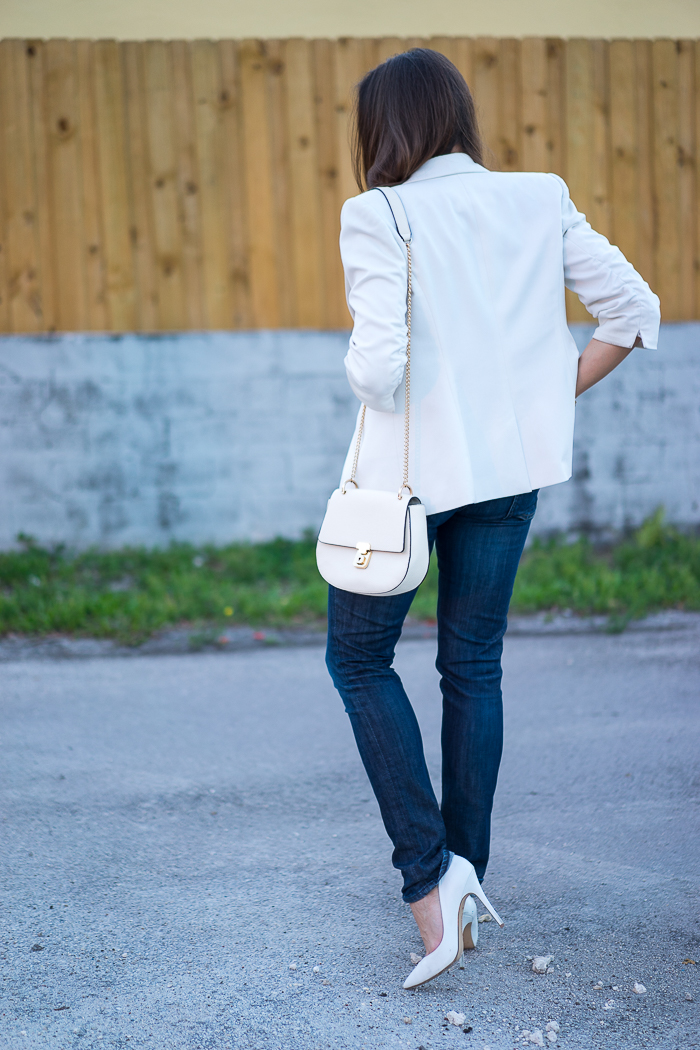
x: 115, y: 440
x: 637, y: 441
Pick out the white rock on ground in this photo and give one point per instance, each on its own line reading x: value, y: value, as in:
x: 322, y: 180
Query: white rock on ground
x: 455, y: 1018
x: 541, y: 962
x: 415, y: 959
x: 552, y: 1026
x: 638, y: 988
x: 552, y: 1036
x: 485, y: 918
x: 536, y: 1037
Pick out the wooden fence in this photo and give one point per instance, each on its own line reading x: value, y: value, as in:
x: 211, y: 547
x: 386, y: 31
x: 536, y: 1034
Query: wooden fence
x: 189, y: 185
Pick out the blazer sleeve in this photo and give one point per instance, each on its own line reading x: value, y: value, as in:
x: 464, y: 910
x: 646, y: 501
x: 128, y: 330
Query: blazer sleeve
x: 374, y: 260
x: 608, y: 286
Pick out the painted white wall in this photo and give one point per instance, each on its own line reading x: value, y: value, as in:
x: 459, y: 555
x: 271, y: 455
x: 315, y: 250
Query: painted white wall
x: 182, y: 19
x: 116, y: 440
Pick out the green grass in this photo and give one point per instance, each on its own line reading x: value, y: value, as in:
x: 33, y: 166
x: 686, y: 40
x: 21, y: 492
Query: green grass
x: 130, y: 594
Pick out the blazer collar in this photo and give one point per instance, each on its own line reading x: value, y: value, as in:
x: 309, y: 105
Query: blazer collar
x: 446, y: 164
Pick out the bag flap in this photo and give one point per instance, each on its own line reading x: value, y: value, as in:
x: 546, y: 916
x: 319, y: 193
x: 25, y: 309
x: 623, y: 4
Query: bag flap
x: 366, y: 516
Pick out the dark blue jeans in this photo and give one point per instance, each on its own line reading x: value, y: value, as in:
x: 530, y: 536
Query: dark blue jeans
x: 478, y: 550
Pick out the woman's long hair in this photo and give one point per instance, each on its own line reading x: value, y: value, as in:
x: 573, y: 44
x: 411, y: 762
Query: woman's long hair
x: 412, y: 107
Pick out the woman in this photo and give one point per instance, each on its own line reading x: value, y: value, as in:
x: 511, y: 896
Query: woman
x: 495, y: 373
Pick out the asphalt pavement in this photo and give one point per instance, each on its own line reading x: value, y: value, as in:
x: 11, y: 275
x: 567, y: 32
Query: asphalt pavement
x: 192, y: 858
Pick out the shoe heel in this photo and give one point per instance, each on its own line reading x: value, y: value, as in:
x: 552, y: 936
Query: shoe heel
x: 470, y: 928
x: 474, y: 886
x: 467, y: 940
x: 486, y: 902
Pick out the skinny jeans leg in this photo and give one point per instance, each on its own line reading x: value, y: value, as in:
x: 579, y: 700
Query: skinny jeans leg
x: 362, y: 636
x: 479, y: 549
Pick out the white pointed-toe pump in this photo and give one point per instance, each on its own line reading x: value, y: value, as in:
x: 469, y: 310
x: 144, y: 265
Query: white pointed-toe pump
x: 455, y: 886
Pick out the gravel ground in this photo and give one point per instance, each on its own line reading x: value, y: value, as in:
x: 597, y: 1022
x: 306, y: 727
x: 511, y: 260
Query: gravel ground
x: 192, y: 857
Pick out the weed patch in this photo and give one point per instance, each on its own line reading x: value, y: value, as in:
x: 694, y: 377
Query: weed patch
x: 132, y: 593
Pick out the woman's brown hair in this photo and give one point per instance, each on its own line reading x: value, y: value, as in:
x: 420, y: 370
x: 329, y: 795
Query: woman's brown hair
x: 412, y: 107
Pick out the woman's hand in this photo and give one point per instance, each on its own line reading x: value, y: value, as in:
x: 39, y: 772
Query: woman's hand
x: 598, y: 360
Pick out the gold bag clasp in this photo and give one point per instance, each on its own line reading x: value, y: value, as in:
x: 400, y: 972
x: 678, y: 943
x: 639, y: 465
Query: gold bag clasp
x: 364, y: 553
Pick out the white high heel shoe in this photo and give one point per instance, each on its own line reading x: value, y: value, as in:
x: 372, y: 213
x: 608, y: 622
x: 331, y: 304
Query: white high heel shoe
x: 453, y: 890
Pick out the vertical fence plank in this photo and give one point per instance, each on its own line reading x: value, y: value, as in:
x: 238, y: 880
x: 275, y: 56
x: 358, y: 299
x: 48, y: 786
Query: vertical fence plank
x: 485, y: 87
x: 579, y: 146
x: 464, y: 59
x: 667, y: 239
x: 349, y: 68
x: 534, y: 90
x: 600, y: 215
x: 335, y: 314
x: 579, y: 103
x: 277, y: 92
x: 508, y: 145
x: 96, y: 313
x: 21, y: 204
x: 687, y: 203
x: 696, y: 256
x: 202, y: 271
x: 162, y: 144
x: 231, y: 106
x: 122, y: 291
x: 137, y: 190
x: 35, y: 51
x: 263, y: 239
x: 65, y: 183
x: 556, y: 106
x: 305, y: 186
x: 645, y: 216
x: 5, y: 316
x: 211, y: 102
x: 624, y: 146
x: 370, y: 56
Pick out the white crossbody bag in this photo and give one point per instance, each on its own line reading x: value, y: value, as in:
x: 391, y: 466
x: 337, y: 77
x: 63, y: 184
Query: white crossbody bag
x: 372, y: 542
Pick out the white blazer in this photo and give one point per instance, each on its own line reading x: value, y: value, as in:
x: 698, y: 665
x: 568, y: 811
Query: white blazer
x: 493, y: 364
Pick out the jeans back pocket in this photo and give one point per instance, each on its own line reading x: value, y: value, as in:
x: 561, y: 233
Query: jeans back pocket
x: 524, y: 506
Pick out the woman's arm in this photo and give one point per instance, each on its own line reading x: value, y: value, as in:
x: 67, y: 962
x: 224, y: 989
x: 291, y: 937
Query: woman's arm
x: 598, y: 360
x: 607, y: 284
x: 374, y: 259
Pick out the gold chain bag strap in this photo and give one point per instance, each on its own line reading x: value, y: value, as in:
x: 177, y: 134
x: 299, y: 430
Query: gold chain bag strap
x: 371, y: 542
